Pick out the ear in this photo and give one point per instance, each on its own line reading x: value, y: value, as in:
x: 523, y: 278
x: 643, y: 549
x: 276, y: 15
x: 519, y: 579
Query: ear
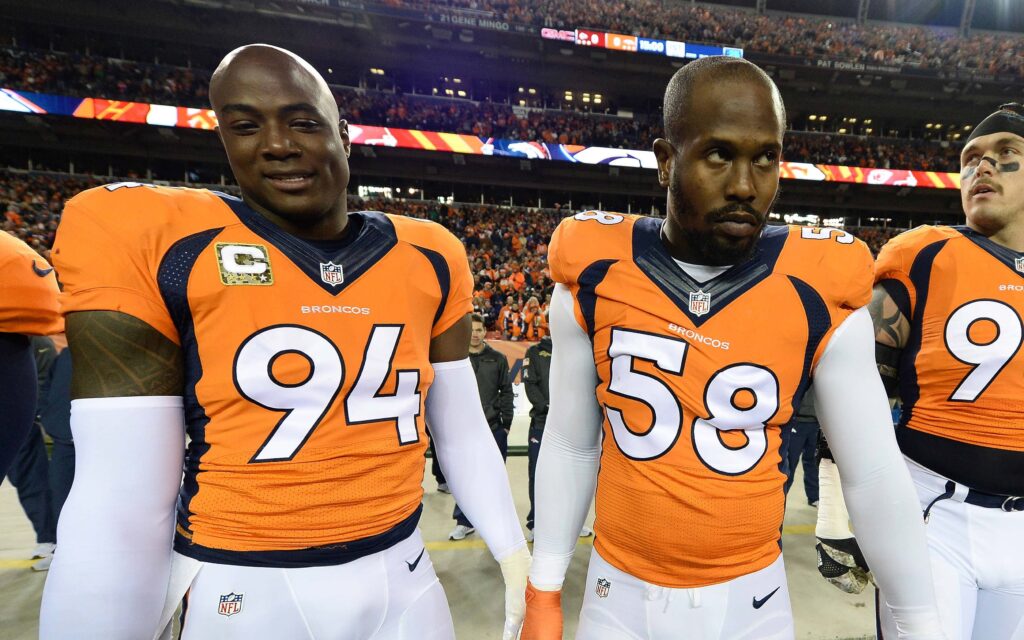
x: 665, y: 152
x: 346, y: 141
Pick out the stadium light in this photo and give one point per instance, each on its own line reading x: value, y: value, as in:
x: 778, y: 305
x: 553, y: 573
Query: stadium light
x: 521, y: 89
x: 928, y: 126
x: 824, y: 118
x: 533, y: 91
x: 462, y: 94
x: 867, y: 121
x: 812, y: 117
x: 967, y: 127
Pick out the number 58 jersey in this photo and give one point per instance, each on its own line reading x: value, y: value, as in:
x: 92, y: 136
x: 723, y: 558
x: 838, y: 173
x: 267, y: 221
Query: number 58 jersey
x: 695, y: 381
x: 306, y: 366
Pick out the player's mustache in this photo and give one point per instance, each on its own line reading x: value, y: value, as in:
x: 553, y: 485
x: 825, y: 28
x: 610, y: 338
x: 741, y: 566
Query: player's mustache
x: 728, y: 212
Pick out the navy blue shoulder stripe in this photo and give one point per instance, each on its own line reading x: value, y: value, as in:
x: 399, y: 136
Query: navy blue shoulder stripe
x: 588, y: 280
x: 444, y: 277
x: 819, y: 321
x: 920, y: 277
x: 172, y: 280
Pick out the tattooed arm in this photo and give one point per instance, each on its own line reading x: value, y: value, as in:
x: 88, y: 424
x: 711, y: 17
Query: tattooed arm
x: 892, y: 329
x: 110, y: 577
x: 117, y: 355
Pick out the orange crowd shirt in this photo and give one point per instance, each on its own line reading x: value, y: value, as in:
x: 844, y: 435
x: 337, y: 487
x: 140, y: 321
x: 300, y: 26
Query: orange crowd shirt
x: 695, y: 381
x: 306, y: 366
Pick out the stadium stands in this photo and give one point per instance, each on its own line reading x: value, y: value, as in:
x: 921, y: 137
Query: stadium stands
x: 774, y: 33
x: 95, y: 76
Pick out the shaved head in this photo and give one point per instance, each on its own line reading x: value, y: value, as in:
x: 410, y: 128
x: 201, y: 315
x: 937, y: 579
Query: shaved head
x: 678, y: 103
x: 274, y: 61
x: 287, y: 146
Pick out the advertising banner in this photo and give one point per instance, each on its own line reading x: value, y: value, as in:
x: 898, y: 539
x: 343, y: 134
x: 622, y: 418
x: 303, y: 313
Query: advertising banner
x: 194, y: 118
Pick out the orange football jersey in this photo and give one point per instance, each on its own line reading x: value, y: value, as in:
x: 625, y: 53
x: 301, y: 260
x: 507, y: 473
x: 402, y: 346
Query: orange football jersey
x: 306, y: 364
x: 28, y: 291
x: 695, y: 381
x: 961, y: 374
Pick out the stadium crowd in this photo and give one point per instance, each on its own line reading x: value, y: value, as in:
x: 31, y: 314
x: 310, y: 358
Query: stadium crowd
x: 507, y: 246
x: 779, y: 34
x: 84, y: 75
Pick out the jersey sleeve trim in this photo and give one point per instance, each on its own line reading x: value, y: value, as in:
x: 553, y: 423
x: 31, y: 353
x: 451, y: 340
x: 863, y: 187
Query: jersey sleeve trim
x: 129, y: 302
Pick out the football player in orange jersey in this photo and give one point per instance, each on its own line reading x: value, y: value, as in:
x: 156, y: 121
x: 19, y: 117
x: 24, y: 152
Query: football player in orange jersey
x: 947, y: 309
x: 688, y: 342
x: 28, y: 307
x: 295, y: 342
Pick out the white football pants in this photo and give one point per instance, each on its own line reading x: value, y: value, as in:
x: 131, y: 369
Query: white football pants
x: 977, y: 557
x: 618, y: 606
x: 390, y: 595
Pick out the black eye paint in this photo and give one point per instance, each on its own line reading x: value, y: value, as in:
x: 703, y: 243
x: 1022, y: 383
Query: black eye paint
x: 968, y: 173
x: 1009, y: 167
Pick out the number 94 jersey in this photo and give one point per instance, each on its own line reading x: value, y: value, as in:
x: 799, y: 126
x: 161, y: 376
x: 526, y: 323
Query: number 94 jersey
x: 306, y: 367
x: 695, y: 381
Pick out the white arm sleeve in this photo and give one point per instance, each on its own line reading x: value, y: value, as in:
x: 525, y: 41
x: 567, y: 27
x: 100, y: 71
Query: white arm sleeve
x: 469, y: 458
x: 571, y: 449
x: 111, y: 569
x: 854, y: 414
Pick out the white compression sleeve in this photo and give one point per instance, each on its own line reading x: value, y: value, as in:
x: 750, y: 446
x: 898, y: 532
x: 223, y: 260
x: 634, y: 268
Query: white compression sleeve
x: 570, y: 452
x: 854, y: 414
x: 469, y: 458
x: 110, y: 571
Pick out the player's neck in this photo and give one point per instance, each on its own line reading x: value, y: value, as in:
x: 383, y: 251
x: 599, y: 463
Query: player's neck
x: 331, y: 226
x: 1011, y: 236
x: 479, y: 349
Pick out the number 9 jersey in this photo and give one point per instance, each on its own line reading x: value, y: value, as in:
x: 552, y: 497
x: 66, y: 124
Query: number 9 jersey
x: 306, y: 364
x: 695, y: 380
x: 961, y: 374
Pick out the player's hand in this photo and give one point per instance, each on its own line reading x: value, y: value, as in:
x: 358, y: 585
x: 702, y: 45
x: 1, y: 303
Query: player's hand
x: 841, y: 563
x: 515, y: 570
x: 543, y: 614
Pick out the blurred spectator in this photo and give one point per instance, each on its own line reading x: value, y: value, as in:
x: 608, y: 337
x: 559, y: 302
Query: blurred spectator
x: 494, y: 382
x: 29, y: 473
x: 801, y: 440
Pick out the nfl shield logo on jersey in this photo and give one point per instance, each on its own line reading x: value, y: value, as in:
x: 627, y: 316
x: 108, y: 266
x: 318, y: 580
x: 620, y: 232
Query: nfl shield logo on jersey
x: 603, y: 587
x: 700, y: 303
x: 1018, y: 264
x: 332, y: 273
x: 230, y: 604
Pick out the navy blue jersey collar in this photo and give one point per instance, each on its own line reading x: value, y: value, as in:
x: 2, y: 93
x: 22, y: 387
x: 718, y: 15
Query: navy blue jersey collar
x: 1007, y: 256
x: 654, y: 260
x: 374, y: 238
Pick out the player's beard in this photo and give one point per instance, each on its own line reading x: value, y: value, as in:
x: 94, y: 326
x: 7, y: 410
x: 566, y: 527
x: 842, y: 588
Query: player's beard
x: 710, y: 248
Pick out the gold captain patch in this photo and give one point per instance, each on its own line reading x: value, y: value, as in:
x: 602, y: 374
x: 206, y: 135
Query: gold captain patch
x: 244, y: 264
